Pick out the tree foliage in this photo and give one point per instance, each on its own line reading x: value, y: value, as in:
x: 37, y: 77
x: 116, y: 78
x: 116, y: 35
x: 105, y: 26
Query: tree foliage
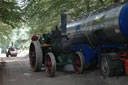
x: 10, y: 18
x: 10, y: 12
x: 43, y: 15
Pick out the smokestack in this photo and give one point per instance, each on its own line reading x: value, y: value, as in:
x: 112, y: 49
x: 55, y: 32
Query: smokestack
x: 63, y: 22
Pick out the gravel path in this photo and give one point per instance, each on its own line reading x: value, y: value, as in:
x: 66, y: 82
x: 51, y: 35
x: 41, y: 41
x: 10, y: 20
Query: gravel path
x: 16, y: 71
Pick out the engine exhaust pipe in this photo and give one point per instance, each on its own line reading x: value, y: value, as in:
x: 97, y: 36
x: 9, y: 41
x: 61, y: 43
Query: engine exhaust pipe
x: 63, y: 22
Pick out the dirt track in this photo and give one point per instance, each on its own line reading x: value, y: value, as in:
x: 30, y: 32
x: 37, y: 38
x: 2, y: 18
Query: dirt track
x: 16, y: 71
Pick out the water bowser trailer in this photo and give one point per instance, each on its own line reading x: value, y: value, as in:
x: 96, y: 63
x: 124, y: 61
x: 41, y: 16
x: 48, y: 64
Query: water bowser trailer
x: 100, y: 39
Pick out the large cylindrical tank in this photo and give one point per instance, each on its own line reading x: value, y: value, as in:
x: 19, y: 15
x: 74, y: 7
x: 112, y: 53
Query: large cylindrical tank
x: 107, y: 26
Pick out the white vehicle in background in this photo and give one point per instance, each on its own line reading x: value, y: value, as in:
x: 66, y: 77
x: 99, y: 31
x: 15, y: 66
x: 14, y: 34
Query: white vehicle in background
x: 11, y: 51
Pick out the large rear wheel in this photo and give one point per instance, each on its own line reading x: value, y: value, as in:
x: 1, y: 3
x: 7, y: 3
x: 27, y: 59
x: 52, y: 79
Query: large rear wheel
x: 35, y: 56
x: 111, y: 67
x: 50, y: 64
x: 79, y: 62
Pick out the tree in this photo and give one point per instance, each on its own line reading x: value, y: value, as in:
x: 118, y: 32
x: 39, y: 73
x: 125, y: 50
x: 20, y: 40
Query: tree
x: 102, y: 2
x: 10, y: 18
x: 10, y: 13
x: 43, y: 15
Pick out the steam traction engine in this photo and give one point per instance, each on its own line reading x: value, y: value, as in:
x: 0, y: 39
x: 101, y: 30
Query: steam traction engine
x: 98, y: 39
x: 50, y: 51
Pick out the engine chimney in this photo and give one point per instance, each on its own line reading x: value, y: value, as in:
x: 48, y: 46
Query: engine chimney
x: 63, y: 22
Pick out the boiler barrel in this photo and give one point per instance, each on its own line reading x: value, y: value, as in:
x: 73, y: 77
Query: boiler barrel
x: 108, y: 26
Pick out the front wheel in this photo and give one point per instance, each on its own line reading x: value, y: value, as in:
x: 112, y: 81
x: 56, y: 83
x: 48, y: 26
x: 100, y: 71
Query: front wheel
x: 50, y: 64
x: 79, y: 62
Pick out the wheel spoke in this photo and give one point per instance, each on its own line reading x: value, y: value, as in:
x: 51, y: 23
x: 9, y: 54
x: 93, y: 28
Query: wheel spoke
x: 77, y: 66
x: 49, y: 65
x: 78, y: 62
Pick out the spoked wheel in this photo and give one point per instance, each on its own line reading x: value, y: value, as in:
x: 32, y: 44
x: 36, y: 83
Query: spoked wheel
x: 50, y: 64
x: 105, y: 68
x: 79, y: 61
x: 111, y: 67
x: 35, y: 56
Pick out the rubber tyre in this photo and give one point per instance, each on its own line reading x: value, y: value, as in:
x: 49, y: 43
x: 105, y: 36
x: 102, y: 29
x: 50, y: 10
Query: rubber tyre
x: 50, y: 64
x: 79, y: 67
x: 111, y: 67
x: 35, y: 56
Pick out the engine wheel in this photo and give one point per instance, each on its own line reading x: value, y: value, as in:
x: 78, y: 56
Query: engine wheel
x: 79, y: 61
x: 50, y: 64
x: 111, y: 67
x: 35, y: 56
x: 105, y: 68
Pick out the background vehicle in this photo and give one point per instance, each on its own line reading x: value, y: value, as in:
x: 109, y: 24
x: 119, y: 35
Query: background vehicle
x: 11, y: 51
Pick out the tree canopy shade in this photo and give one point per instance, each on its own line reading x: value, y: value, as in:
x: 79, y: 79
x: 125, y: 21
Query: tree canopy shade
x: 43, y: 15
x: 10, y: 12
x: 10, y: 18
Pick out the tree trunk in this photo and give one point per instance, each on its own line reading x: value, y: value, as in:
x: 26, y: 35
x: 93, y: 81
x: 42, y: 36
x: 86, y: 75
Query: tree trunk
x: 88, y: 5
x: 88, y: 8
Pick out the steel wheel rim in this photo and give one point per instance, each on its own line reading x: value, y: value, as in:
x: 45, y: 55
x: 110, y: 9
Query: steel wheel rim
x: 104, y: 65
x: 77, y: 65
x: 32, y: 57
x: 48, y: 65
